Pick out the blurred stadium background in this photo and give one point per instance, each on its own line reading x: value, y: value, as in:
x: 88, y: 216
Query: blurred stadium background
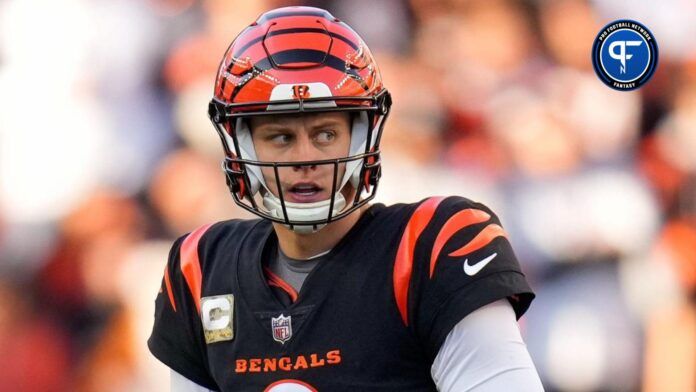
x: 106, y: 155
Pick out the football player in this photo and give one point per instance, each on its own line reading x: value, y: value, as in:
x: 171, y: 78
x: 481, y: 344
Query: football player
x: 327, y: 292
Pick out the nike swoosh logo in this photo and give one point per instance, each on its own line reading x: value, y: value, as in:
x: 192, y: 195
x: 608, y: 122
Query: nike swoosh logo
x: 472, y: 270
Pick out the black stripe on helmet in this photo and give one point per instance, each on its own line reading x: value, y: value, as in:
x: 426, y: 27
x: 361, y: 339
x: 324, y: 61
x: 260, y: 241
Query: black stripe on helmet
x: 297, y: 56
x: 249, y: 44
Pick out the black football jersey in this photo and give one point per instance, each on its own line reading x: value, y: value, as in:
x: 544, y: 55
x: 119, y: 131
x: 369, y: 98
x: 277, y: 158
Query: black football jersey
x: 371, y: 317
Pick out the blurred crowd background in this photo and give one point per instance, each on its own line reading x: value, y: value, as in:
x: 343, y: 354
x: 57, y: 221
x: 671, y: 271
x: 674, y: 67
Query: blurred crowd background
x: 107, y: 155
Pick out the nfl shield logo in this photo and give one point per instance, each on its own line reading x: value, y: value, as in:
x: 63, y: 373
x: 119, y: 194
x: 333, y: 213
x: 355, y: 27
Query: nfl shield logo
x: 282, y: 328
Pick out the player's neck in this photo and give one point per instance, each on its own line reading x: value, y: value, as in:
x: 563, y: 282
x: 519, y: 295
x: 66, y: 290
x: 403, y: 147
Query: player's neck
x: 304, y: 246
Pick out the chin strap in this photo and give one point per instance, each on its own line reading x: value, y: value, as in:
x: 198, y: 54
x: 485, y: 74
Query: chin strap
x: 304, y: 212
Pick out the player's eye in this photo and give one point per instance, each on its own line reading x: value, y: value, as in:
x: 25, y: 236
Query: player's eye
x: 325, y: 136
x: 279, y: 138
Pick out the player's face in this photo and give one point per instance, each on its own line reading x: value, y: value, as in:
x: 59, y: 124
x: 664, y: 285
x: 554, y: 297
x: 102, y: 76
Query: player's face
x: 297, y: 138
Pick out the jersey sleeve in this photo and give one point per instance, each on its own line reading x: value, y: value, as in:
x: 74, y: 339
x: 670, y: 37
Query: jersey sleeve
x: 177, y: 336
x: 464, y: 261
x: 485, y: 352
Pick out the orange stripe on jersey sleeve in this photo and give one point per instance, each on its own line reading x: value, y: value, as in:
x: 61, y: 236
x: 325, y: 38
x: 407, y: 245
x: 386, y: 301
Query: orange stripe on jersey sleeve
x: 168, y: 284
x: 403, y: 265
x: 191, y: 265
x: 488, y: 234
x: 457, y: 222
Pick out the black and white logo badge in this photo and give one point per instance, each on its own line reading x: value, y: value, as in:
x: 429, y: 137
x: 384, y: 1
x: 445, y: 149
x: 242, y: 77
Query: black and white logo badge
x: 624, y: 55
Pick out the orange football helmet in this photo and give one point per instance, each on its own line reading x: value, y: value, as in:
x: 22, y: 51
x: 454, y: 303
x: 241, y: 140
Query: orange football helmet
x: 299, y: 60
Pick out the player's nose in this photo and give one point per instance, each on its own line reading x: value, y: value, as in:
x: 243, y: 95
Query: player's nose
x: 305, y: 150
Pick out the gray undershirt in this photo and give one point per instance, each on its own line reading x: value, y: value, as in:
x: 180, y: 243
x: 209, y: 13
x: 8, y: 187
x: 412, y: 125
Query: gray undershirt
x: 293, y: 271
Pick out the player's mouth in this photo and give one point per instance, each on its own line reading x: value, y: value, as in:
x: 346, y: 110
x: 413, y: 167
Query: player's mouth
x: 305, y: 192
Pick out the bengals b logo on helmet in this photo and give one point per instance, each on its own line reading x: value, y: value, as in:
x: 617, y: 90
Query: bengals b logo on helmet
x: 300, y: 91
